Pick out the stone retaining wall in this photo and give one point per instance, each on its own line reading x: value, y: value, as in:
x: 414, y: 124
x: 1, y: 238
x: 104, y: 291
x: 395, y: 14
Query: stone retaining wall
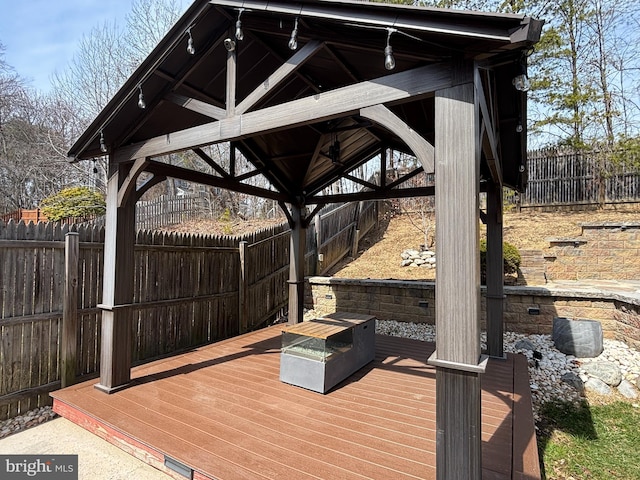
x: 526, y: 309
x: 606, y: 251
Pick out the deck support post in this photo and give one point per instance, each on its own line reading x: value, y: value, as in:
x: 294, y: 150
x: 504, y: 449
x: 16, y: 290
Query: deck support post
x: 296, y: 264
x: 457, y: 356
x: 117, y: 293
x: 495, y: 272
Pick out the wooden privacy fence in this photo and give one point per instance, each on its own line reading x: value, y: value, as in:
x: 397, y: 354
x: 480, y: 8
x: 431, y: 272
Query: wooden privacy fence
x: 189, y: 290
x: 574, y: 178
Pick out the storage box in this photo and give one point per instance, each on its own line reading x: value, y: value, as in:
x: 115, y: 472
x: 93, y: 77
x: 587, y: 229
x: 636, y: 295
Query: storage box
x: 320, y: 353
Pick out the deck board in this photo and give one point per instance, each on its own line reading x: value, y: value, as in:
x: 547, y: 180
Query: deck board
x: 222, y: 411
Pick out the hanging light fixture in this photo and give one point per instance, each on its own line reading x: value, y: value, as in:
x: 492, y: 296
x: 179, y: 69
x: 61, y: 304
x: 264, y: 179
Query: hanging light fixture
x: 190, y: 48
x: 239, y: 32
x: 293, y: 41
x: 389, y: 61
x: 103, y: 146
x: 141, y: 103
x: 521, y: 81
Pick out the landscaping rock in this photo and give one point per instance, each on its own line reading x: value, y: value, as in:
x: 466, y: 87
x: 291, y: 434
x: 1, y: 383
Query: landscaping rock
x: 524, y: 344
x: 581, y: 338
x: 598, y: 386
x: 608, y: 372
x: 627, y: 389
x: 574, y: 380
x: 415, y: 258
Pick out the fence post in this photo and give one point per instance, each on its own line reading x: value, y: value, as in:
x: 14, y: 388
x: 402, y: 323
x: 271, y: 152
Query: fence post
x: 243, y: 288
x: 70, y: 310
x: 356, y: 229
x: 318, y: 236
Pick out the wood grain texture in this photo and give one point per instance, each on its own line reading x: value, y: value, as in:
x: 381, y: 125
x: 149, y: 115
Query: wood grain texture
x: 495, y: 272
x: 70, y: 311
x: 222, y: 411
x: 296, y: 266
x: 421, y: 148
x: 457, y: 231
x: 459, y: 444
x: 419, y: 82
x: 276, y: 78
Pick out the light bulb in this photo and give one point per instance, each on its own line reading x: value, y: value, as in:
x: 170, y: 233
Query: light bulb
x: 519, y: 128
x: 521, y: 82
x: 389, y: 61
x: 103, y: 146
x: 239, y: 32
x: 293, y: 41
x: 190, y: 48
x: 141, y: 103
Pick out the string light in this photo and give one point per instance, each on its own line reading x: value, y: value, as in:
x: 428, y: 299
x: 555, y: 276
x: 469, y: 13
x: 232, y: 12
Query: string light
x: 103, y: 146
x: 521, y: 81
x: 190, y: 48
x: 141, y: 103
x: 293, y: 41
x: 389, y: 61
x: 239, y: 32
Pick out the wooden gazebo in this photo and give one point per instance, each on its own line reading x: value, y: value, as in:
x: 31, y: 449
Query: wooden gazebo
x: 308, y: 91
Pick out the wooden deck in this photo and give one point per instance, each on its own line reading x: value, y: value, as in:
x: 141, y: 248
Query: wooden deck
x: 222, y: 411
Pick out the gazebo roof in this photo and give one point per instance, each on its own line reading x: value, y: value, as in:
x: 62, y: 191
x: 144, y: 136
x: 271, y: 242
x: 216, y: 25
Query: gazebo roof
x: 340, y: 44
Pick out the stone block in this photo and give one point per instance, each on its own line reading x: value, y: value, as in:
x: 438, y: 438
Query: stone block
x: 581, y: 338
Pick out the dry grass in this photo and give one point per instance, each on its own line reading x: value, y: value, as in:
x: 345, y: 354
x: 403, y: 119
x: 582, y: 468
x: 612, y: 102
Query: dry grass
x: 221, y: 227
x: 379, y: 255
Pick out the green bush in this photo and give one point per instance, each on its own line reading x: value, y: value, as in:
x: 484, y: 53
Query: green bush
x: 511, y: 258
x: 73, y: 202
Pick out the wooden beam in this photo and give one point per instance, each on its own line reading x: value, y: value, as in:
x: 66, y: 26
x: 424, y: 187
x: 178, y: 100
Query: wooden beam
x: 372, y: 195
x: 232, y: 78
x: 495, y: 272
x: 418, y: 82
x: 489, y: 138
x: 197, y: 106
x: 294, y: 63
x: 128, y: 184
x: 296, y: 265
x: 457, y: 356
x: 115, y: 350
x: 68, y: 353
x: 422, y: 149
x: 164, y: 169
x: 209, y: 161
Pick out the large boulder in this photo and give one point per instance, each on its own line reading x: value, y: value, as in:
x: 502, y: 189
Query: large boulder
x: 608, y: 372
x: 580, y: 338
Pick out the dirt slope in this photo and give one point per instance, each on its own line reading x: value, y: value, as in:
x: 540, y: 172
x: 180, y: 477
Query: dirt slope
x: 379, y: 255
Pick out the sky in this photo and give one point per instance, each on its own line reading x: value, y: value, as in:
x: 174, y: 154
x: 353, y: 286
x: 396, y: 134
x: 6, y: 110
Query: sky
x: 41, y: 36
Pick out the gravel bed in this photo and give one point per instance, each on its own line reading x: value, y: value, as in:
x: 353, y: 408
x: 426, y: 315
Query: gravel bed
x: 545, y: 373
x: 27, y: 420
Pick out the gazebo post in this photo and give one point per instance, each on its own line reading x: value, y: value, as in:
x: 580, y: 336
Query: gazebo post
x: 296, y: 265
x: 117, y: 293
x: 495, y: 272
x: 457, y: 356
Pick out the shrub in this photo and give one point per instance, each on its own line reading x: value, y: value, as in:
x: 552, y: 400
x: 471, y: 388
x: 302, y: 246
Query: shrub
x: 511, y: 258
x: 73, y: 202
